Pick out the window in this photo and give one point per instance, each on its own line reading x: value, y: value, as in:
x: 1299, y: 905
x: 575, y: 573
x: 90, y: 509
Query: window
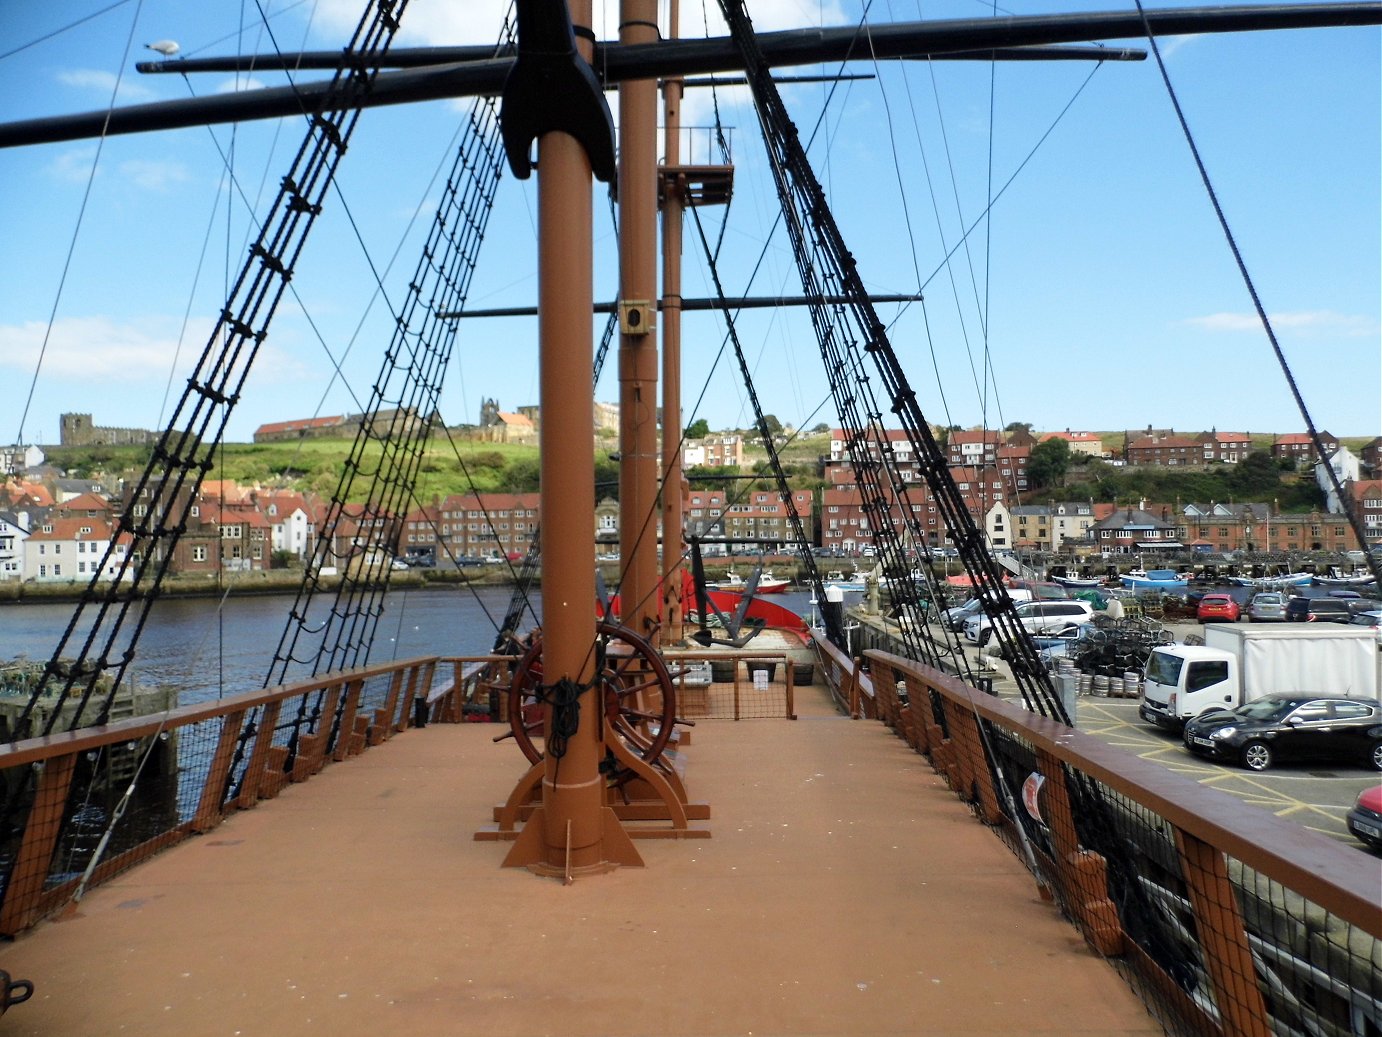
x: 1206, y: 674
x: 199, y: 553
x: 57, y: 570
x: 81, y: 567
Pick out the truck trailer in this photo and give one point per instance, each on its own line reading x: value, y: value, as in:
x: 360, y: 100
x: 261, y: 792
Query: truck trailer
x: 1238, y: 664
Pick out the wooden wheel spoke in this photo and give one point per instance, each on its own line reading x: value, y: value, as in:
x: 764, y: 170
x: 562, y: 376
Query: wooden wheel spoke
x: 633, y: 668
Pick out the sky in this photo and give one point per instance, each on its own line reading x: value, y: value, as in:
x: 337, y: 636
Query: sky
x: 1099, y: 294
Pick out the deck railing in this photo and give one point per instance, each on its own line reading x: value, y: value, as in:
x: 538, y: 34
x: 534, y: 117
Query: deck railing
x: 1226, y: 920
x: 83, y: 806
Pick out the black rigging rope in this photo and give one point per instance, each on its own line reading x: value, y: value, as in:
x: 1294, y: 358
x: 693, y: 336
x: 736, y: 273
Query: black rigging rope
x: 1351, y: 510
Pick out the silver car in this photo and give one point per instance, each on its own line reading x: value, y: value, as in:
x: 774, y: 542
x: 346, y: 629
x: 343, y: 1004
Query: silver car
x: 1267, y: 607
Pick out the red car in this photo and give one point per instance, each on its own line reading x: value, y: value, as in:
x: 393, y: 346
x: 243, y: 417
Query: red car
x: 1217, y: 606
x: 1365, y: 819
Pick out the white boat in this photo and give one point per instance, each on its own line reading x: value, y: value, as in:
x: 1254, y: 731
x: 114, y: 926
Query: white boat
x: 1078, y: 581
x: 854, y: 582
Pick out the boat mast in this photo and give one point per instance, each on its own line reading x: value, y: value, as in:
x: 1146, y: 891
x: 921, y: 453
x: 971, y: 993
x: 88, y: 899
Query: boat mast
x: 638, y: 466
x: 673, y: 609
x: 555, y: 97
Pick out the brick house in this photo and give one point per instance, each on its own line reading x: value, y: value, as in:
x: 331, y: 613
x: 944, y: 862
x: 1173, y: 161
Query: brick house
x: 973, y: 447
x: 1224, y: 447
x: 1297, y: 447
x: 1168, y: 451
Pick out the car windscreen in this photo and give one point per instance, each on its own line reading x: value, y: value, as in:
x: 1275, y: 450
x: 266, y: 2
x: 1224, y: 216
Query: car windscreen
x: 1164, y: 669
x: 1267, y: 709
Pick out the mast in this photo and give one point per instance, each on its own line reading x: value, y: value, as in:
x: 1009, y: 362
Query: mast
x: 554, y: 97
x: 673, y: 609
x: 638, y: 470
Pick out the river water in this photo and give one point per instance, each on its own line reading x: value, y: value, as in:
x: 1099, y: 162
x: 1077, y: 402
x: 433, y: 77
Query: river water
x: 208, y: 647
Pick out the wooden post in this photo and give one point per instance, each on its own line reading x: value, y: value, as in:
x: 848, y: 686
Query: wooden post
x: 208, y: 814
x: 36, y: 848
x: 1223, y: 939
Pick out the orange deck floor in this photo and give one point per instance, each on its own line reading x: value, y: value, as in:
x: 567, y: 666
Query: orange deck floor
x: 844, y: 891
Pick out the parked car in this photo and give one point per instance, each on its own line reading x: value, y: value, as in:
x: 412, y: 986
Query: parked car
x: 1365, y: 819
x: 1036, y: 617
x: 1317, y: 610
x: 1267, y: 607
x: 1357, y: 605
x: 465, y: 560
x: 1366, y: 619
x: 1290, y: 726
x: 1217, y: 606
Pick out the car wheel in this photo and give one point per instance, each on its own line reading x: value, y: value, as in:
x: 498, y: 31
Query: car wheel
x: 1256, y: 756
x: 984, y: 636
x: 1376, y: 756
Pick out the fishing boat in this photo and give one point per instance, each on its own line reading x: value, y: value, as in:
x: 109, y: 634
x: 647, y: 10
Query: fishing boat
x: 1077, y: 581
x: 1165, y: 580
x: 341, y: 849
x: 856, y: 582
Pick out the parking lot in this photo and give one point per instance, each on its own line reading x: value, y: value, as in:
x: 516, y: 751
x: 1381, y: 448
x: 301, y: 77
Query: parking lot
x: 1313, y: 795
x: 1316, y: 796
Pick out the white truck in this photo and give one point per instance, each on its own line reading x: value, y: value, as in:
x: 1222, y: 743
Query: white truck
x: 1238, y: 664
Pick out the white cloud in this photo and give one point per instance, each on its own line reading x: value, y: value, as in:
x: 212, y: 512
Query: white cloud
x: 1305, y: 321
x: 100, y: 350
x: 238, y: 84
x: 478, y: 21
x: 153, y: 175
x: 102, y: 83
x: 1168, y: 45
x: 74, y: 166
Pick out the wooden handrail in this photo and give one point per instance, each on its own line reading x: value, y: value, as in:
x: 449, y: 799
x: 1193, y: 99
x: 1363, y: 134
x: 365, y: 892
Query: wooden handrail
x: 1321, y: 870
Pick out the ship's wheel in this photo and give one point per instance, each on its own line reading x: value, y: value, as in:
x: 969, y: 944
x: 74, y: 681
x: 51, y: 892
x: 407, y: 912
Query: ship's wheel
x: 636, y: 690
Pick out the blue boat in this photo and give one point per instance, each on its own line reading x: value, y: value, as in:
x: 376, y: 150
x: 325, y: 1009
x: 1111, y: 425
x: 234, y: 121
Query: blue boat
x: 1155, y: 580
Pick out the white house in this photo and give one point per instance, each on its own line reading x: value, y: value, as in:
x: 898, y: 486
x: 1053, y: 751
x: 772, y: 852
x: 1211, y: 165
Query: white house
x: 12, y: 537
x: 69, y: 549
x: 290, y: 524
x: 18, y: 459
x: 1348, y: 467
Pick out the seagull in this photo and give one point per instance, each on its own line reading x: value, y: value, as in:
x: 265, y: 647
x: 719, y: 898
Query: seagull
x: 165, y: 47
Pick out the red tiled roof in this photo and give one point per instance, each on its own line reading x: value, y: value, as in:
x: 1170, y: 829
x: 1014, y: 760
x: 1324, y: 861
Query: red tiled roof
x: 300, y: 424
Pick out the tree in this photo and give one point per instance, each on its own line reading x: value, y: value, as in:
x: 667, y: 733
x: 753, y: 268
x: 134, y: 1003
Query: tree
x: 819, y: 428
x: 1049, y: 463
x: 1013, y: 426
x: 698, y: 429
x: 774, y: 426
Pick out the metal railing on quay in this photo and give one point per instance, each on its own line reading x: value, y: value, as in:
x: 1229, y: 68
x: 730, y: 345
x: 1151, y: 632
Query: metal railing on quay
x: 1226, y: 920
x: 82, y: 806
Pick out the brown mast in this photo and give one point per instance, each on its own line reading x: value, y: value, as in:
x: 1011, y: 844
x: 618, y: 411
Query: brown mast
x: 672, y: 605
x: 638, y: 469
x: 572, y: 832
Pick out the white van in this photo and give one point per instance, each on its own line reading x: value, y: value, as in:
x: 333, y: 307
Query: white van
x: 1037, y: 617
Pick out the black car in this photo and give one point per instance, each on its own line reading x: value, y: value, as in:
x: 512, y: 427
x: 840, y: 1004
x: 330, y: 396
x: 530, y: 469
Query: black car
x: 1293, y: 726
x: 1317, y: 610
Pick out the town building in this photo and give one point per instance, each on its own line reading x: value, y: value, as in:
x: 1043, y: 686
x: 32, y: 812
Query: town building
x: 1298, y: 448
x: 1224, y: 447
x: 971, y: 447
x: 1169, y: 451
x: 1086, y: 443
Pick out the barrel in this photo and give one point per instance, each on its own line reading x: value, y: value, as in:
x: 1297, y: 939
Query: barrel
x: 1100, y: 688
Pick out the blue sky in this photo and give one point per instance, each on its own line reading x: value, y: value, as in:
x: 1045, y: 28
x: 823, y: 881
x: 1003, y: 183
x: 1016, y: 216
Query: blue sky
x: 1108, y: 295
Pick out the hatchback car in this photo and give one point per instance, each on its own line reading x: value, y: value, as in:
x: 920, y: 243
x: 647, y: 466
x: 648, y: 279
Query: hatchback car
x: 1317, y: 610
x: 1365, y: 819
x: 1267, y: 607
x: 1219, y: 607
x: 1290, y: 726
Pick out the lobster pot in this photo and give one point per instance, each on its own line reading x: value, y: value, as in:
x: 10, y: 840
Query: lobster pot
x: 1100, y: 688
x: 1132, y: 684
x: 1085, y: 685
